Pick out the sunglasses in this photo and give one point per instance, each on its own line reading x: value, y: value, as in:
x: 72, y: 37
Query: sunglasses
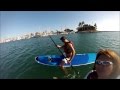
x: 103, y: 62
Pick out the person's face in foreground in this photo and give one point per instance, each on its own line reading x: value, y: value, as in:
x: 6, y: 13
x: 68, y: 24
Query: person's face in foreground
x: 104, y: 66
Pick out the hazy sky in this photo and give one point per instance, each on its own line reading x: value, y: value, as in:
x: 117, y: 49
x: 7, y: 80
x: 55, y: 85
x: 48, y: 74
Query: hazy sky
x: 16, y: 23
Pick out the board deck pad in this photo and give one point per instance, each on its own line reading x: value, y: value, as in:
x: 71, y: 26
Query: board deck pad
x: 78, y: 60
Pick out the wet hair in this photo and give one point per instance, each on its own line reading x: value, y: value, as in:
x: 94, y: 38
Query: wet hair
x: 114, y: 58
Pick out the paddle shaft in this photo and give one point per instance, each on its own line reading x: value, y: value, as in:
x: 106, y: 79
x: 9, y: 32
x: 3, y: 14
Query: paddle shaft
x: 57, y: 47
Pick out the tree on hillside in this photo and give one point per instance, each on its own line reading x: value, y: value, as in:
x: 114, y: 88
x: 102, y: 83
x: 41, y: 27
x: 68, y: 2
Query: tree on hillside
x: 79, y: 24
x: 95, y: 25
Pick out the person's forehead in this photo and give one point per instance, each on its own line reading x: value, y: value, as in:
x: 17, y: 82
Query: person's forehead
x: 103, y: 57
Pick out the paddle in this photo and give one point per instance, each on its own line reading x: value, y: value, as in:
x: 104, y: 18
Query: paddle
x: 63, y: 54
x: 56, y: 46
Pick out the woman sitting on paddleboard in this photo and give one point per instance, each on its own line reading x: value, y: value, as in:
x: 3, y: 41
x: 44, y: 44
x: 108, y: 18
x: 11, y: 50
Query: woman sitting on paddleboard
x: 69, y: 50
x: 107, y: 66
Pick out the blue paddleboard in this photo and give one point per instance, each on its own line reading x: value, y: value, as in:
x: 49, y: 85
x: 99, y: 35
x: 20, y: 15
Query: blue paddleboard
x: 78, y: 60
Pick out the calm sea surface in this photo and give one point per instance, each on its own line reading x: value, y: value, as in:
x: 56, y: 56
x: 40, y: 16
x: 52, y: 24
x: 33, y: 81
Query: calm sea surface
x: 17, y: 59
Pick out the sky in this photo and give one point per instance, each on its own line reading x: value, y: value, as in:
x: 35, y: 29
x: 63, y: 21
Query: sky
x: 16, y: 23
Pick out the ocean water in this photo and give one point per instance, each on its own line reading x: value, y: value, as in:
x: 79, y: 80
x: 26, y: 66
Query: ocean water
x: 17, y: 58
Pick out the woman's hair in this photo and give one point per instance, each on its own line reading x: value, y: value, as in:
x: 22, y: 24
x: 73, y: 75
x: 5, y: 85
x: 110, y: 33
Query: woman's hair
x: 114, y: 57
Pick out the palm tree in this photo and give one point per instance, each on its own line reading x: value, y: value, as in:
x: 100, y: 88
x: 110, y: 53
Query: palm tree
x: 83, y: 23
x: 79, y: 24
x: 95, y: 25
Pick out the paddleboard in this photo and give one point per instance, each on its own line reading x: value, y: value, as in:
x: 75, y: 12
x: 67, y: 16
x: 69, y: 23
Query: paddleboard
x: 78, y: 60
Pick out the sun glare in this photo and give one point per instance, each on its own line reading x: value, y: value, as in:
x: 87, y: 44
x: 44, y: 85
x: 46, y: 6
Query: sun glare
x: 109, y: 24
